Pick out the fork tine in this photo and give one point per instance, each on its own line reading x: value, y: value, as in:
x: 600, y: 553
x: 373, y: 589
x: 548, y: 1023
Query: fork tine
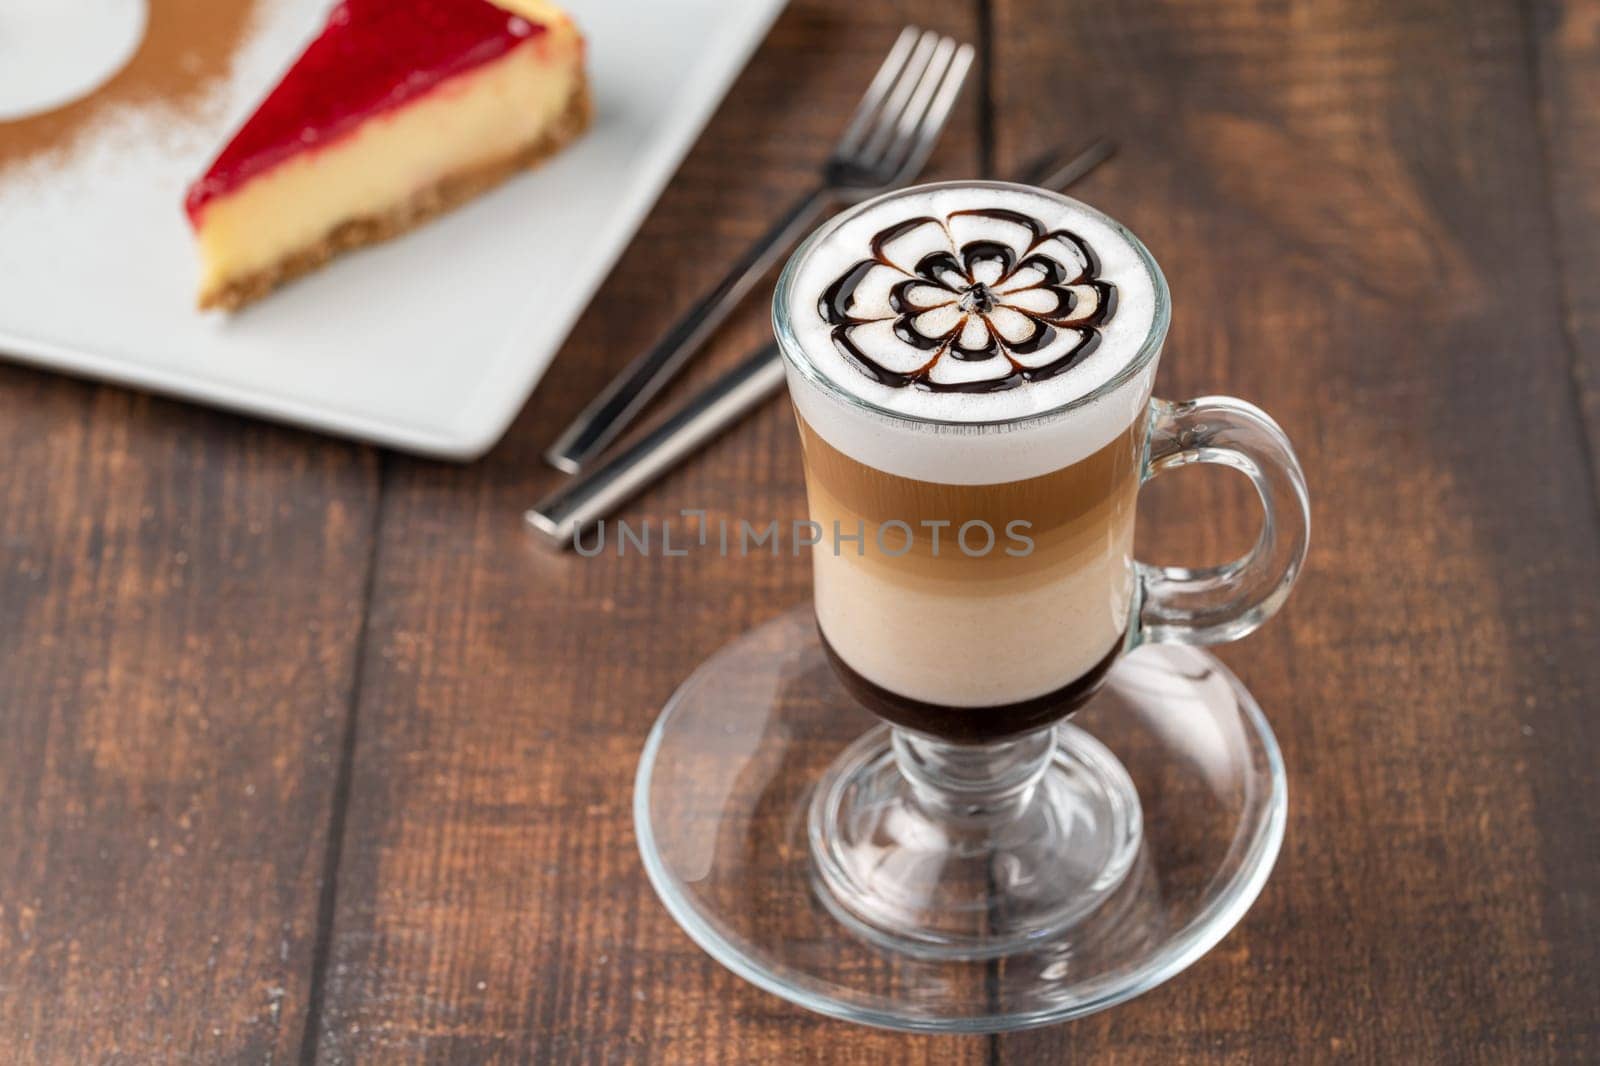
x: 909, y: 120
x: 888, y: 116
x: 916, y: 138
x: 890, y: 69
x: 906, y: 122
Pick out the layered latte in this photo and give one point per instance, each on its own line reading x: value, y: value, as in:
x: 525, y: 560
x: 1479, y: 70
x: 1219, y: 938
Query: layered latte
x: 970, y: 370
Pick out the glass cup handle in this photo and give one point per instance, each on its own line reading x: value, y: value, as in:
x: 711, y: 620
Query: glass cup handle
x: 1216, y: 604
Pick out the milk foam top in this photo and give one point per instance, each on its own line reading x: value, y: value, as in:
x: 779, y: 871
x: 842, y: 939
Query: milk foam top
x: 971, y: 332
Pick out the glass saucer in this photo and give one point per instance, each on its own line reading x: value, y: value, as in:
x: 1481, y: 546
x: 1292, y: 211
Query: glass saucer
x: 733, y: 764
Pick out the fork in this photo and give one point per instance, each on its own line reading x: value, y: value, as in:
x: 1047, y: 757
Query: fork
x: 884, y: 146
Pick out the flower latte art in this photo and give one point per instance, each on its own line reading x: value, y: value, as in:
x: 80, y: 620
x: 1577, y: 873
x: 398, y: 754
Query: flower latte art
x: 916, y: 315
x: 980, y: 300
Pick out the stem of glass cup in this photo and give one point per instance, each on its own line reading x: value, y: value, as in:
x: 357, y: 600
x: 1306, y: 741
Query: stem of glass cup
x: 973, y: 783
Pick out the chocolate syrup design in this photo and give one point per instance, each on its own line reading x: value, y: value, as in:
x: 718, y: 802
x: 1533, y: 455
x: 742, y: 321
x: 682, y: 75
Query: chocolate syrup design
x: 979, y: 301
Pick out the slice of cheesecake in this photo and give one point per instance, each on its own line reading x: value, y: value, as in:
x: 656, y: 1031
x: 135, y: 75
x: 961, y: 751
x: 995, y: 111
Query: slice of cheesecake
x: 399, y: 110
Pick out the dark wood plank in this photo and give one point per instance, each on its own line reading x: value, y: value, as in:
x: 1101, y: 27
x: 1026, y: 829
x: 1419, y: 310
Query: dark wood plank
x: 1348, y: 201
x: 490, y: 903
x: 1566, y: 41
x: 180, y: 598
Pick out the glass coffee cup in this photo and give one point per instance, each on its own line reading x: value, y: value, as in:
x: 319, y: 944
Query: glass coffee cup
x: 983, y: 781
x: 971, y: 367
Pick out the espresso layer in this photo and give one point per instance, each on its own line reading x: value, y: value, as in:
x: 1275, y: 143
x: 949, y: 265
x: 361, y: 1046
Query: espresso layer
x: 973, y: 725
x: 967, y: 627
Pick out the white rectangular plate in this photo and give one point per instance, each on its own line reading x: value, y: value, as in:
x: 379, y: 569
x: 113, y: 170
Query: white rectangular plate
x: 430, y: 343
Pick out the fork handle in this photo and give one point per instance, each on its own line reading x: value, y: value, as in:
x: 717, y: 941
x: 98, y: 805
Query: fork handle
x: 621, y: 401
x: 598, y: 491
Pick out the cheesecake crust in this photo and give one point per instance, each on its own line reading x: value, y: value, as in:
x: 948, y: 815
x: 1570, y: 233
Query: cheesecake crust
x: 449, y: 192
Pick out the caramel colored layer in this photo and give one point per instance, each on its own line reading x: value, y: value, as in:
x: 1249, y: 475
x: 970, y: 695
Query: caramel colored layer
x: 1069, y: 511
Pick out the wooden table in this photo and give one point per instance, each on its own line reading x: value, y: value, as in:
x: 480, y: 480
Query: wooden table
x: 308, y: 754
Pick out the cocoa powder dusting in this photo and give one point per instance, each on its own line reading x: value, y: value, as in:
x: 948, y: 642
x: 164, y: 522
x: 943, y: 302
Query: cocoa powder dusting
x: 188, y: 45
